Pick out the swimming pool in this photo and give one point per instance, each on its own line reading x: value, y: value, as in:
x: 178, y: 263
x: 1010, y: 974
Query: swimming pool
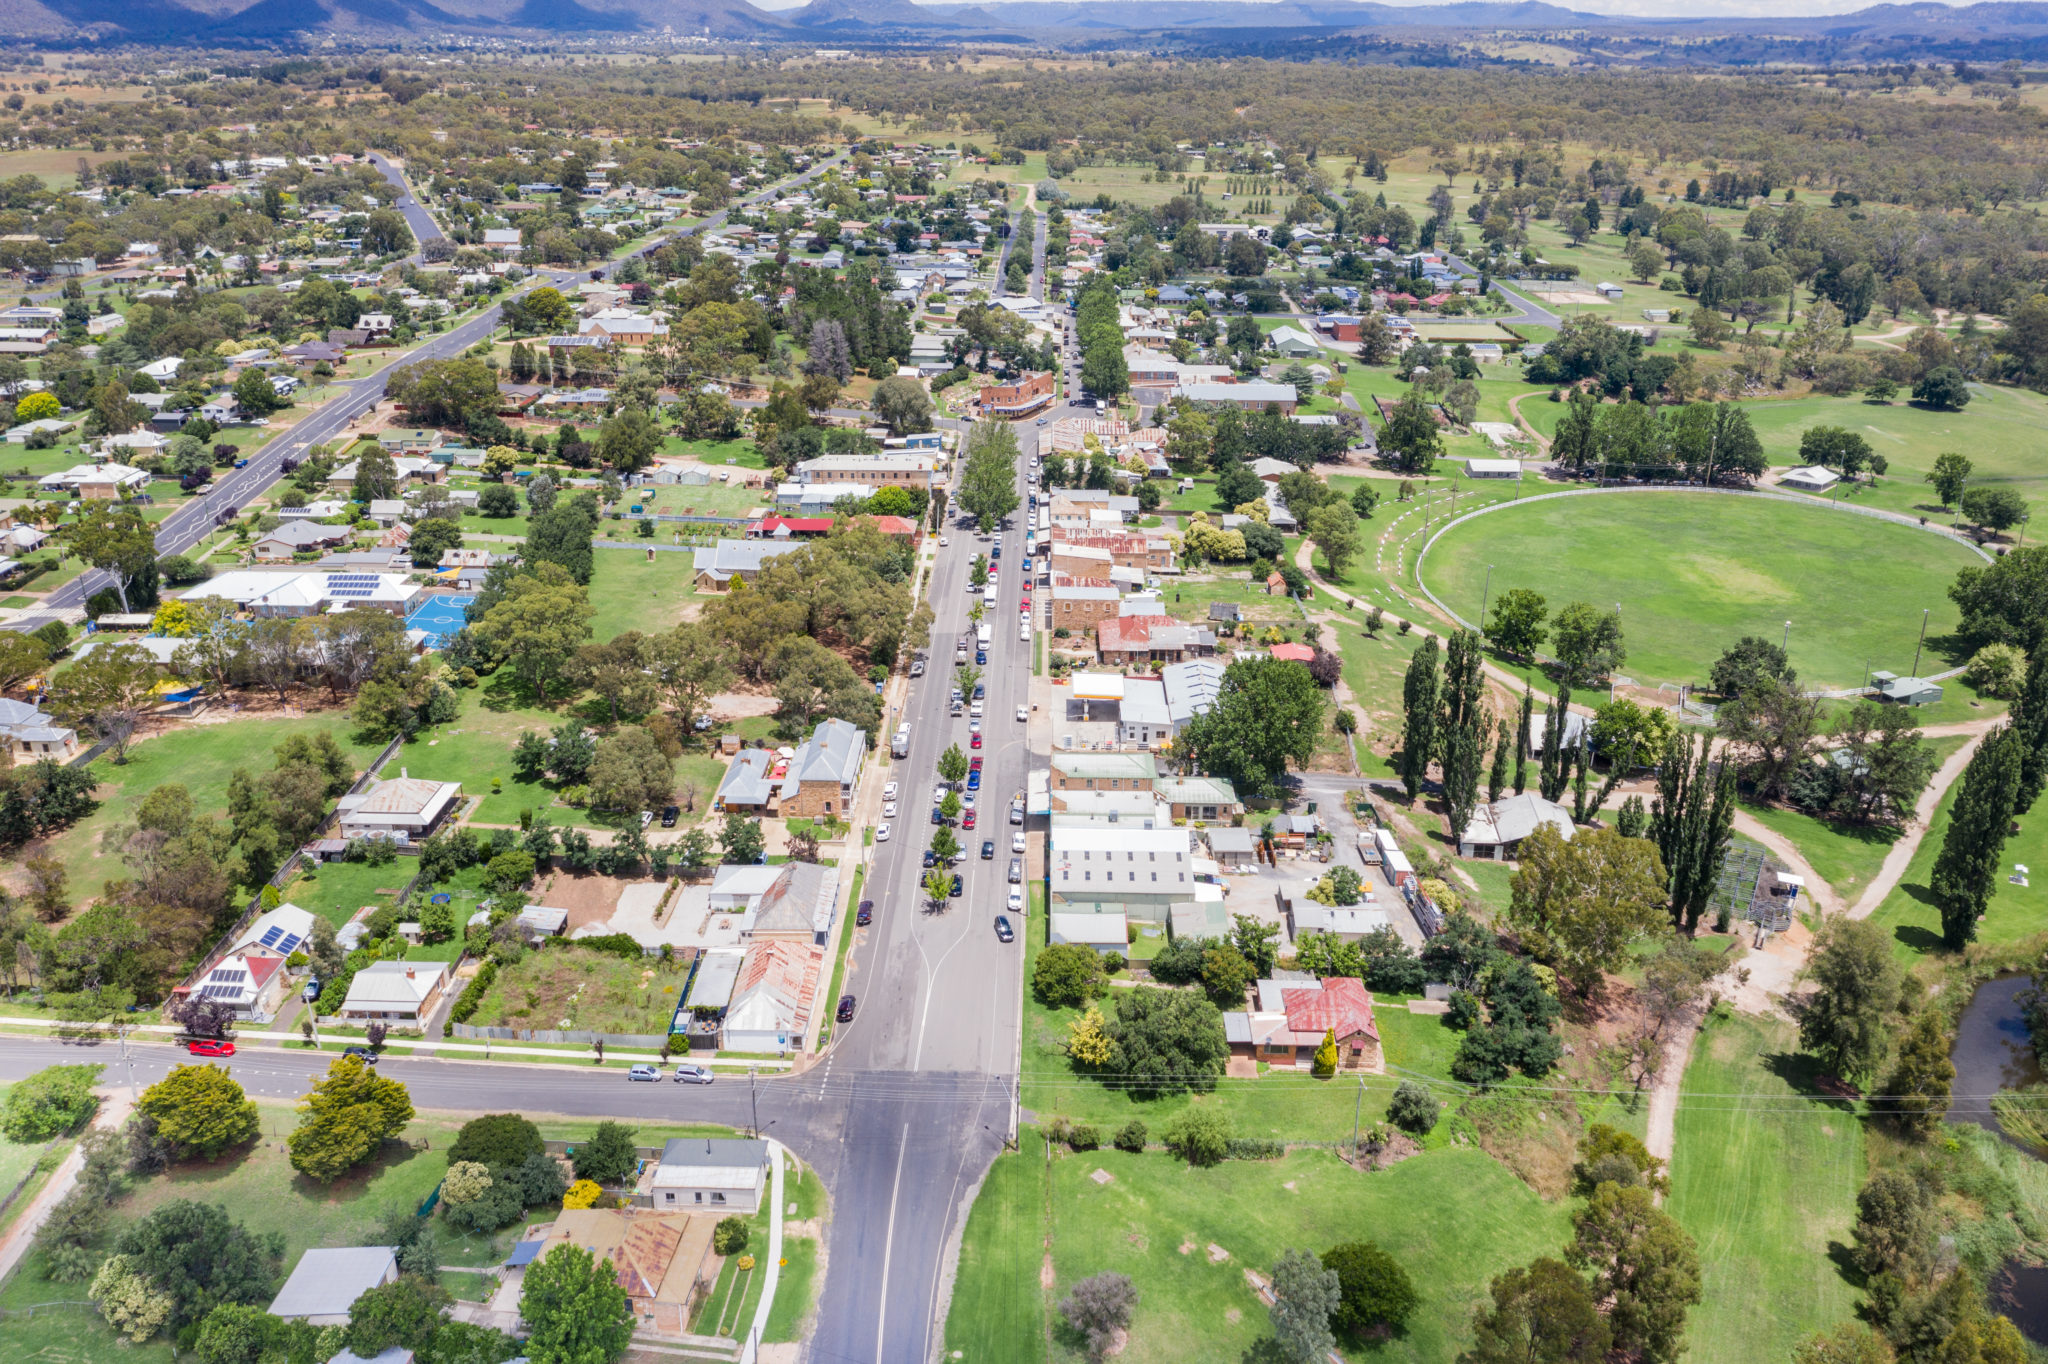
x: 440, y: 617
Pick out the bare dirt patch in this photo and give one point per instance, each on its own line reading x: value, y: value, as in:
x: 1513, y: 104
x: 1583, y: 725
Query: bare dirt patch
x: 1397, y: 1147
x: 1046, y: 1277
x: 1217, y: 1254
x: 588, y: 897
x: 1102, y: 1176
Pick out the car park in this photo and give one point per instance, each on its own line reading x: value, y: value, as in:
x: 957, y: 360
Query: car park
x: 1004, y: 933
x: 988, y: 850
x: 210, y: 1046
x: 882, y: 832
x: 642, y: 1072
x: 687, y: 1074
x: 865, y: 915
x: 844, y: 1013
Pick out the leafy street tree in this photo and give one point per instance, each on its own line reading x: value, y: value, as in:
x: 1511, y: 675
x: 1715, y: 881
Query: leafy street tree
x: 608, y: 1157
x: 1588, y: 642
x: 1690, y: 823
x: 1645, y: 1268
x: 1098, y: 1307
x: 1966, y: 870
x: 200, y: 1111
x: 689, y: 666
x: 953, y: 763
x: 1950, y: 474
x: 49, y: 1103
x: 1517, y: 624
x: 376, y: 477
x: 1334, y: 528
x: 1581, y: 905
x: 116, y: 540
x: 988, y: 479
x: 1420, y: 690
x: 107, y: 691
x: 1167, y: 1040
x: 562, y: 536
x: 575, y: 1309
x: 1374, y: 1290
x: 1749, y: 663
x: 1268, y: 713
x: 903, y: 406
x: 1544, y: 1314
x: 628, y: 440
x: 404, y: 1313
x: 630, y: 772
x: 2005, y: 602
x: 349, y: 1114
x: 1412, y: 438
x: 537, y: 626
x: 431, y: 538
x: 1848, y: 1020
x: 1305, y: 1297
x: 1066, y: 975
x: 1995, y: 509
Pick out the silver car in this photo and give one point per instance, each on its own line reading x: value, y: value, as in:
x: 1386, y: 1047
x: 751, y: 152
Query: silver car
x: 694, y: 1075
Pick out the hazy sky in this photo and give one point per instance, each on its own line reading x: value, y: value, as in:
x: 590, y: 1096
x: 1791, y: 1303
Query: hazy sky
x: 1648, y: 9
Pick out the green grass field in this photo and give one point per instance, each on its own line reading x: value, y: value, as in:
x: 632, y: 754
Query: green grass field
x: 336, y: 890
x: 566, y: 987
x: 1693, y: 573
x: 2017, y: 913
x: 1765, y: 1179
x: 631, y: 591
x: 202, y: 758
x: 1453, y: 1217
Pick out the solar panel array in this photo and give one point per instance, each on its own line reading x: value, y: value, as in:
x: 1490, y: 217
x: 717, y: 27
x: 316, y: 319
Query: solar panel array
x: 225, y: 983
x: 352, y: 584
x: 279, y: 939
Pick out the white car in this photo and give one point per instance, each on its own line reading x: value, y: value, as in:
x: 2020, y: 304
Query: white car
x: 1016, y: 900
x: 1024, y: 631
x: 889, y: 791
x: 943, y: 542
x: 1017, y: 841
x: 1023, y: 714
x: 882, y: 833
x: 888, y: 809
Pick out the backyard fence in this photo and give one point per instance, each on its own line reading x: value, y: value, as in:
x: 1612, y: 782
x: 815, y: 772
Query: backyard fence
x: 573, y: 1037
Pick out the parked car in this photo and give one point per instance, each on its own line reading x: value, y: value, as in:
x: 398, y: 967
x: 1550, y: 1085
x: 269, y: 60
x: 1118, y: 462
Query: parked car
x: 974, y: 780
x: 844, y: 1013
x: 980, y: 690
x: 669, y: 815
x: 1004, y: 933
x: 694, y: 1075
x: 931, y: 859
x: 646, y: 818
x: 988, y: 850
x: 981, y: 658
x: 1016, y: 900
x: 957, y: 889
x: 865, y: 915
x: 210, y: 1046
x: 1016, y: 871
x: 917, y: 668
x: 889, y: 792
x: 974, y: 740
x: 967, y: 820
x: 937, y: 818
x: 312, y: 990
x: 882, y: 832
x: 888, y: 809
x: 643, y: 1072
x: 974, y: 763
x: 1023, y: 714
x: 1017, y: 841
x: 363, y: 1054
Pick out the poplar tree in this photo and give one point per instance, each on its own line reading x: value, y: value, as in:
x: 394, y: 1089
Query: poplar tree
x: 1497, y: 779
x: 1522, y: 737
x: 1690, y: 822
x: 1419, y: 693
x: 1966, y: 870
x: 2030, y: 722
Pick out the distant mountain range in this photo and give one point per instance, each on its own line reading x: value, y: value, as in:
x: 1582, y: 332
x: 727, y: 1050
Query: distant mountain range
x: 2000, y: 30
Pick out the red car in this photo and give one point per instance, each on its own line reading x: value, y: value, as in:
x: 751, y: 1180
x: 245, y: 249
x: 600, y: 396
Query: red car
x: 975, y: 765
x: 210, y: 1046
x: 974, y: 741
x: 967, y: 821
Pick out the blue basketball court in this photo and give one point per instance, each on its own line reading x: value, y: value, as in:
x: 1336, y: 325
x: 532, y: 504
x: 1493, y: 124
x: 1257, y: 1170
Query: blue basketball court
x: 440, y: 617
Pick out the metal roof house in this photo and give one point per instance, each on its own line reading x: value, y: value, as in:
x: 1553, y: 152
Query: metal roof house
x: 700, y: 1173
x: 1907, y: 691
x: 747, y: 784
x: 324, y: 1284
x: 717, y: 565
x: 1498, y: 829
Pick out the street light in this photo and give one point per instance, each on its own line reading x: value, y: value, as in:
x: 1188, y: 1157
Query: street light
x: 1786, y: 642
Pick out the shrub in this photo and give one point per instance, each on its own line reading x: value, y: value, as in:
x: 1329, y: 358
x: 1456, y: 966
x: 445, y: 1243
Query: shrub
x: 1414, y: 1109
x: 1113, y: 962
x: 1083, y: 1137
x: 472, y: 997
x: 1098, y: 1307
x: 617, y: 944
x: 1254, y: 1148
x: 1130, y: 1137
x: 465, y: 1182
x: 496, y: 1139
x: 609, y: 1156
x: 1200, y: 1136
x: 51, y: 1102
x: 1375, y: 1291
x: 729, y: 1237
x: 582, y: 1194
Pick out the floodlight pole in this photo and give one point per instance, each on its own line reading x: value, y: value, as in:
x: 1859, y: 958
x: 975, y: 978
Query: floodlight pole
x: 1924, y: 612
x: 1355, y: 1105
x: 1484, y: 593
x: 1786, y: 642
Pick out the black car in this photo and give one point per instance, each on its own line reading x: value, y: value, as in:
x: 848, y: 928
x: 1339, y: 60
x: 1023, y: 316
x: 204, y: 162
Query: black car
x: 980, y: 690
x: 845, y: 1013
x: 865, y: 915
x: 1004, y: 933
x: 368, y: 1057
x: 931, y: 859
x: 958, y: 886
x: 988, y: 850
x: 669, y: 815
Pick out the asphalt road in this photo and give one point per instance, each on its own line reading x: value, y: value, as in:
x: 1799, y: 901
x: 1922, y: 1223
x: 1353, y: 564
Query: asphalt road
x: 424, y: 228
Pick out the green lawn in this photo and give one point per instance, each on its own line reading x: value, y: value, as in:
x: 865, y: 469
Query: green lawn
x: 201, y: 758
x: 336, y: 890
x: 2017, y: 913
x: 1453, y: 1217
x: 631, y: 590
x: 476, y: 749
x: 1765, y: 1179
x: 729, y: 1308
x: 794, y: 1290
x: 574, y: 988
x: 1694, y: 572
x: 741, y: 454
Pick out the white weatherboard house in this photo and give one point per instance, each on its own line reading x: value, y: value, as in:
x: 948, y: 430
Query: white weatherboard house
x: 402, y: 808
x: 706, y: 1174
x: 395, y: 991
x: 326, y: 1283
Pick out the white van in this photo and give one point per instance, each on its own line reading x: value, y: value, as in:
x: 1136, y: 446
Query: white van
x: 984, y: 634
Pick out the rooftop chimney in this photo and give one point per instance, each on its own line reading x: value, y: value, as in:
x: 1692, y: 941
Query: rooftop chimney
x: 401, y: 774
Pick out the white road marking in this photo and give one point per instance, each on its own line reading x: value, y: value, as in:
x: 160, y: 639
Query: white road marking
x: 888, y: 1248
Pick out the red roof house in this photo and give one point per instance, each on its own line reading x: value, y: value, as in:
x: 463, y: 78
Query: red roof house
x: 783, y: 527
x: 1341, y: 1006
x: 1298, y: 653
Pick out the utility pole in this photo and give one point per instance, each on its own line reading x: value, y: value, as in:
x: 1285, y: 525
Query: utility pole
x: 1924, y: 612
x: 753, y: 1100
x: 1355, y: 1105
x: 1484, y: 593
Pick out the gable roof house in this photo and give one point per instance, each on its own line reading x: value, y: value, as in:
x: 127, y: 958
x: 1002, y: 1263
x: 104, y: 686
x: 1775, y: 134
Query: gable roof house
x: 1294, y: 1014
x: 771, y: 1001
x: 325, y: 1283
x: 748, y: 783
x: 717, y: 565
x: 32, y: 736
x: 295, y: 537
x: 401, y: 807
x: 1151, y: 639
x: 396, y: 991
x: 1497, y: 830
x: 821, y: 776
x: 702, y: 1174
